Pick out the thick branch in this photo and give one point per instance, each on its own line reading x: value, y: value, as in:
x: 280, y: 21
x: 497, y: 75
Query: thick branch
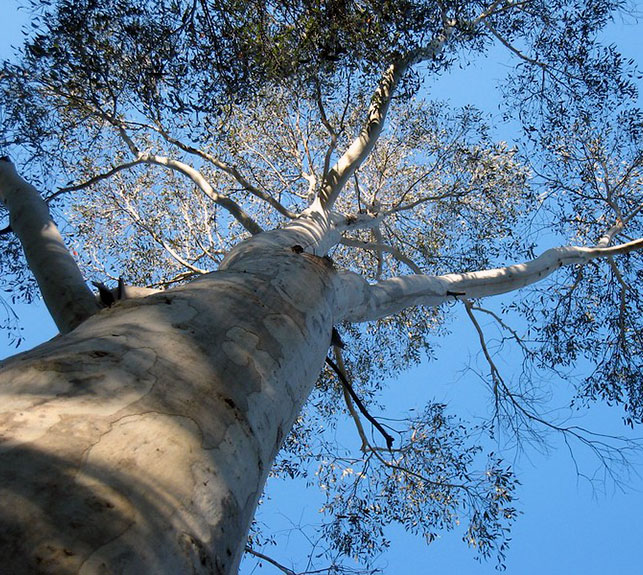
x: 359, y: 301
x: 67, y: 296
x: 609, y: 236
x: 331, y: 132
x: 159, y: 240
x: 361, y: 147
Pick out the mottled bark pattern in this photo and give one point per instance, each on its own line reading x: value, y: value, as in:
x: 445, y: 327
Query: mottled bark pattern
x: 140, y: 442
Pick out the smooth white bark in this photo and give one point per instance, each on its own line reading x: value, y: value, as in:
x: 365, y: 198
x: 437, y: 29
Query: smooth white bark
x: 361, y: 147
x: 315, y: 232
x: 61, y: 282
x: 359, y: 301
x: 140, y: 442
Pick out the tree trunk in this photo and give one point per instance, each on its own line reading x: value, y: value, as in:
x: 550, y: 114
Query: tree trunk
x: 140, y: 442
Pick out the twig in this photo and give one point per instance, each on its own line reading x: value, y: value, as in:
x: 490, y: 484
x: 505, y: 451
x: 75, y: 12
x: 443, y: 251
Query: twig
x: 342, y: 377
x: 349, y: 403
x: 270, y: 560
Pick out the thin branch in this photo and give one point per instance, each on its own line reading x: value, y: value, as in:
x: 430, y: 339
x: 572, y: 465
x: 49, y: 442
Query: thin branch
x: 605, y: 453
x: 288, y: 571
x: 631, y: 169
x: 452, y: 193
x: 159, y: 240
x: 225, y: 202
x: 503, y: 325
x: 231, y: 171
x: 235, y: 210
x: 280, y: 176
x: 632, y: 214
x: 623, y: 302
x: 496, y: 378
x: 419, y: 476
x: 94, y: 179
x: 382, y: 247
x: 512, y: 48
x: 270, y: 560
x: 344, y: 379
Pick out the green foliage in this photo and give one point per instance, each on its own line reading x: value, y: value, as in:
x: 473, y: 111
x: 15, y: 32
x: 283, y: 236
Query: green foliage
x: 427, y: 485
x: 261, y: 98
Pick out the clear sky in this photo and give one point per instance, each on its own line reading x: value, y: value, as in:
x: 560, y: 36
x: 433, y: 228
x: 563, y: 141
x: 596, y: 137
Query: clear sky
x: 566, y: 528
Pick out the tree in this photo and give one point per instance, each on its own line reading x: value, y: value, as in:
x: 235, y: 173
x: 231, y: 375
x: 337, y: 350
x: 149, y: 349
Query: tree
x: 143, y: 435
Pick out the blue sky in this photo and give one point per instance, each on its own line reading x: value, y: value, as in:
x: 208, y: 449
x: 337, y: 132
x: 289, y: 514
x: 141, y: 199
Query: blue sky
x: 567, y: 527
